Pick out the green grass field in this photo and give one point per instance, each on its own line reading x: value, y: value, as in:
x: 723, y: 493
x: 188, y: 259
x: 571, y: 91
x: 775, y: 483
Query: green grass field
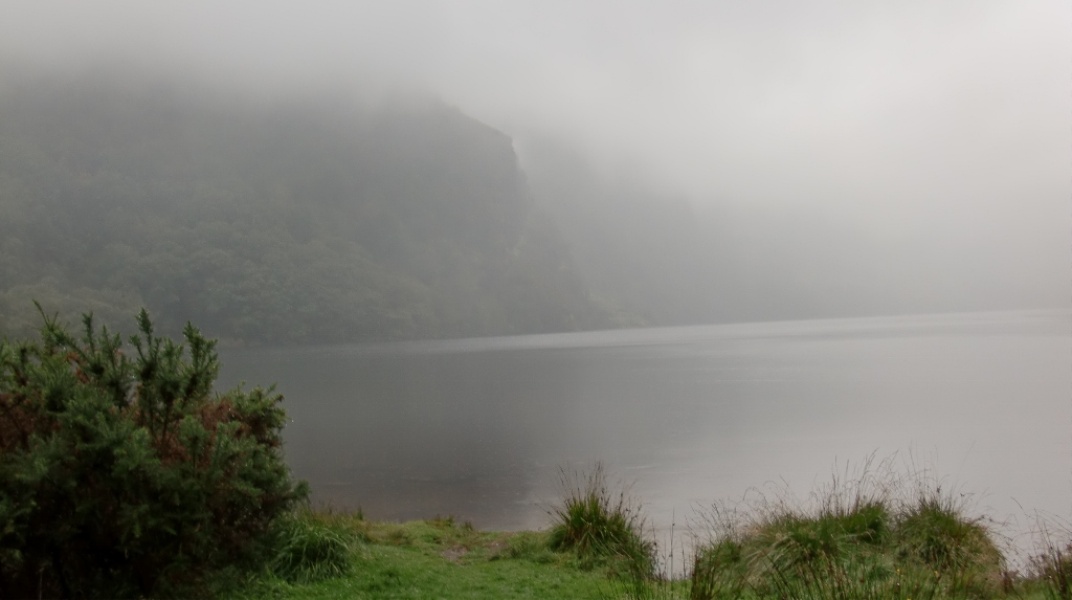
x: 445, y: 560
x: 439, y: 559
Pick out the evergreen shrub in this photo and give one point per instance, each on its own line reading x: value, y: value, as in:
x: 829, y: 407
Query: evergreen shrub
x: 123, y: 474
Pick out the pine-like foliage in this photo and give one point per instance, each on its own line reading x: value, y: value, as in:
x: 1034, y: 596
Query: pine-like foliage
x: 123, y: 474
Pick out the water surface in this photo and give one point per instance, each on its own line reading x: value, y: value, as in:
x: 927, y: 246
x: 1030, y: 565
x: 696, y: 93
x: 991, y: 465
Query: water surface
x: 477, y: 428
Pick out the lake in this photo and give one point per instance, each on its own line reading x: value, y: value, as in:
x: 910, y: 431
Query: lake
x: 478, y: 428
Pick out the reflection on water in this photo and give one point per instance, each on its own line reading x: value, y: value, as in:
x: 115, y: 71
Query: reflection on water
x: 477, y: 428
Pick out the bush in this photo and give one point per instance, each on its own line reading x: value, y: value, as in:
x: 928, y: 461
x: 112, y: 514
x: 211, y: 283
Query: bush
x: 123, y: 474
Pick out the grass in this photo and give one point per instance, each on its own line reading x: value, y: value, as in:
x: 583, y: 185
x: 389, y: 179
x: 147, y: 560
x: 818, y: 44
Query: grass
x: 871, y: 534
x: 312, y: 547
x: 1049, y: 571
x: 875, y: 534
x: 436, y: 558
x: 603, y: 526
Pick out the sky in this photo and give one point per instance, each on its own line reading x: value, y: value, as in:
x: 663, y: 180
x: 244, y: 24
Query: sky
x: 902, y: 117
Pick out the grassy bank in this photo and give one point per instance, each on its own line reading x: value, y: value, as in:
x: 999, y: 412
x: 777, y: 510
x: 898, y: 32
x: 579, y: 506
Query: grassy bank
x: 430, y: 559
x: 871, y: 536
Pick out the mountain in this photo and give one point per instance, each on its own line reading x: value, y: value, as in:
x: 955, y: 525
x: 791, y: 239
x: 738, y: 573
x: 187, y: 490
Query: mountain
x: 636, y: 247
x: 271, y: 221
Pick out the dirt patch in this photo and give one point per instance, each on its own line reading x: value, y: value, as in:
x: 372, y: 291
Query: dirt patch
x: 454, y: 553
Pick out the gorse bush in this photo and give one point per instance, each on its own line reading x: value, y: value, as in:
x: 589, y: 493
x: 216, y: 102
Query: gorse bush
x: 122, y: 474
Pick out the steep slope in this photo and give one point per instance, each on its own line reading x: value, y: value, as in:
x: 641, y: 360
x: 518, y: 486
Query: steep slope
x: 275, y: 221
x: 638, y: 249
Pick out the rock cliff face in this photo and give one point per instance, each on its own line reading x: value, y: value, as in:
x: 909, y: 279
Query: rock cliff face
x: 272, y: 221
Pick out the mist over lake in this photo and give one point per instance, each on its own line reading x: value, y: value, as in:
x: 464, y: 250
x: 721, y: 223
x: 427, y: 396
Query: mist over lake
x: 477, y: 428
x: 724, y: 252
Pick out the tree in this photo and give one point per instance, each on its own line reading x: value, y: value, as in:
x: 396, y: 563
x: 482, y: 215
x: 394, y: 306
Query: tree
x: 123, y: 473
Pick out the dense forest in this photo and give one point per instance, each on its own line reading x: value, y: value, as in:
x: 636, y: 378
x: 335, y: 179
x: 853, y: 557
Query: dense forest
x: 279, y: 221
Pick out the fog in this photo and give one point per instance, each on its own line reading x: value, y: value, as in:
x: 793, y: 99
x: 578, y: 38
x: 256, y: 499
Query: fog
x: 933, y: 134
x: 610, y: 165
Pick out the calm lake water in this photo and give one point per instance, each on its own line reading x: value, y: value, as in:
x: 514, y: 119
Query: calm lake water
x: 478, y: 428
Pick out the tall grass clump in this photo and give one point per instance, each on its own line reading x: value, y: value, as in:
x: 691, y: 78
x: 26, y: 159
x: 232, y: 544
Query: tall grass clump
x: 309, y: 548
x: 721, y: 564
x: 1049, y: 571
x: 935, y: 531
x: 600, y: 525
x: 872, y: 534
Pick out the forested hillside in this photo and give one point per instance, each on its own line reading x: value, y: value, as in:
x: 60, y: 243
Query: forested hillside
x: 327, y: 217
x: 274, y: 221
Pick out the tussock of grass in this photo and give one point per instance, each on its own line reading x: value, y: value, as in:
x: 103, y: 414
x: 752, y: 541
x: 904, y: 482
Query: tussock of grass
x: 311, y: 548
x: 871, y: 534
x: 1049, y: 571
x: 935, y: 532
x: 600, y: 525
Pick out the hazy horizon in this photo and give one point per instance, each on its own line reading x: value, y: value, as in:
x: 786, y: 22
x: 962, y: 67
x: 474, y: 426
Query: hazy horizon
x: 936, y: 131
